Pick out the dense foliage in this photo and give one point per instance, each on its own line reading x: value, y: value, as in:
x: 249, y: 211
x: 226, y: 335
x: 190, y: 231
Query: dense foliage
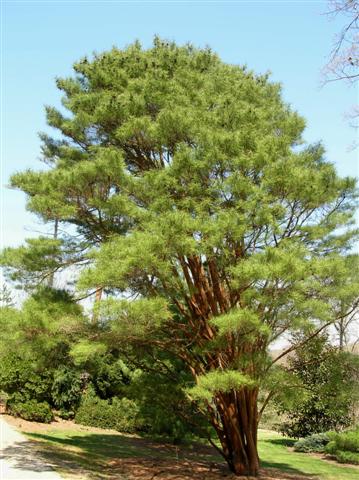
x: 49, y: 360
x: 199, y: 211
x: 66, y: 390
x: 118, y: 414
x: 32, y: 410
x: 35, y: 342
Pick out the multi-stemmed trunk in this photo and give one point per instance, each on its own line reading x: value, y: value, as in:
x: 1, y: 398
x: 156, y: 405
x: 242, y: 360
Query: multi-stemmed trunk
x: 233, y: 413
x: 236, y: 424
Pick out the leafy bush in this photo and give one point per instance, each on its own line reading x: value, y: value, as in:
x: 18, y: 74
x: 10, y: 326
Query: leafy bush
x: 66, y: 414
x: 110, y: 377
x: 66, y: 389
x: 35, y: 341
x: 20, y: 381
x: 344, y: 446
x: 347, y: 457
x: 119, y: 414
x: 33, y: 411
x: 313, y: 443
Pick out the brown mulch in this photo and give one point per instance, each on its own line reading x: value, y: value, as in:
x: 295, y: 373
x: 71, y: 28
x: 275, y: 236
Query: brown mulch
x: 158, y: 469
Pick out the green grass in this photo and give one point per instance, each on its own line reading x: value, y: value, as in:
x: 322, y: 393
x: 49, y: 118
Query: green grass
x: 274, y: 452
x: 71, y: 451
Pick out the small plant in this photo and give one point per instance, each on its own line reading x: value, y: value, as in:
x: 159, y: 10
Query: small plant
x: 313, y: 443
x: 33, y: 411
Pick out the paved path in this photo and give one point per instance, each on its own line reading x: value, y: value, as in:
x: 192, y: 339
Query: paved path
x: 18, y: 460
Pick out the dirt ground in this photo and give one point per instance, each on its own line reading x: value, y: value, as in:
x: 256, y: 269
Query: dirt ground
x: 146, y: 469
x: 189, y: 465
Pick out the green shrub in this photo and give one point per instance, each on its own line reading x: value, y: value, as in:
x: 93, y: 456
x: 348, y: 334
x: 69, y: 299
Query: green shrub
x: 20, y: 381
x: 344, y: 446
x: 66, y: 389
x: 110, y: 377
x: 163, y: 406
x: 313, y: 443
x: 33, y: 411
x: 347, y: 457
x: 66, y: 414
x: 119, y: 414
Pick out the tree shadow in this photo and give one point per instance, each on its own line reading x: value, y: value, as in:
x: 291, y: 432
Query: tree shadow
x: 41, y: 457
x: 117, y: 456
x: 120, y: 445
x: 286, y: 468
x: 22, y: 456
x: 285, y: 442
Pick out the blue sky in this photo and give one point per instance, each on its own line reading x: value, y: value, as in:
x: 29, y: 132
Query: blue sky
x: 41, y: 40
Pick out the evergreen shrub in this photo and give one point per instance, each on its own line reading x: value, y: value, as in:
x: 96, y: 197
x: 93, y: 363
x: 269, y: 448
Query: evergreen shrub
x: 314, y: 443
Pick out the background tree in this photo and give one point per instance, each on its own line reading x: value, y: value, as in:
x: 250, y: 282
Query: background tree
x: 343, y: 63
x: 346, y: 326
x: 52, y: 357
x: 35, y: 342
x: 212, y: 230
x: 328, y: 389
x: 6, y: 299
x: 344, y: 58
x: 346, y: 310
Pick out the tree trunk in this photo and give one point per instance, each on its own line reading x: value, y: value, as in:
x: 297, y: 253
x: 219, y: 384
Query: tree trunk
x: 51, y: 278
x: 98, y: 296
x: 237, y: 430
x: 341, y: 329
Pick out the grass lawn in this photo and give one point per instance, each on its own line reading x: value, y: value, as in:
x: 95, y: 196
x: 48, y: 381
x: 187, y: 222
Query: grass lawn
x: 274, y: 451
x: 84, y: 453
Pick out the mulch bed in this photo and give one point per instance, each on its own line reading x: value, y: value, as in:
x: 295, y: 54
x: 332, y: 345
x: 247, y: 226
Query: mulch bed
x: 159, y: 469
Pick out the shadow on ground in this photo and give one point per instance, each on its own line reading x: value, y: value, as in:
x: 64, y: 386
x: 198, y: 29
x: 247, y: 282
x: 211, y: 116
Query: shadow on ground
x: 38, y: 456
x: 23, y: 457
x: 121, y: 457
x: 284, y: 442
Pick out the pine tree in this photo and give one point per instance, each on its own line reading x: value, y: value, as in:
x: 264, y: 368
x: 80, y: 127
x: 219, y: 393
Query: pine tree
x: 195, y: 197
